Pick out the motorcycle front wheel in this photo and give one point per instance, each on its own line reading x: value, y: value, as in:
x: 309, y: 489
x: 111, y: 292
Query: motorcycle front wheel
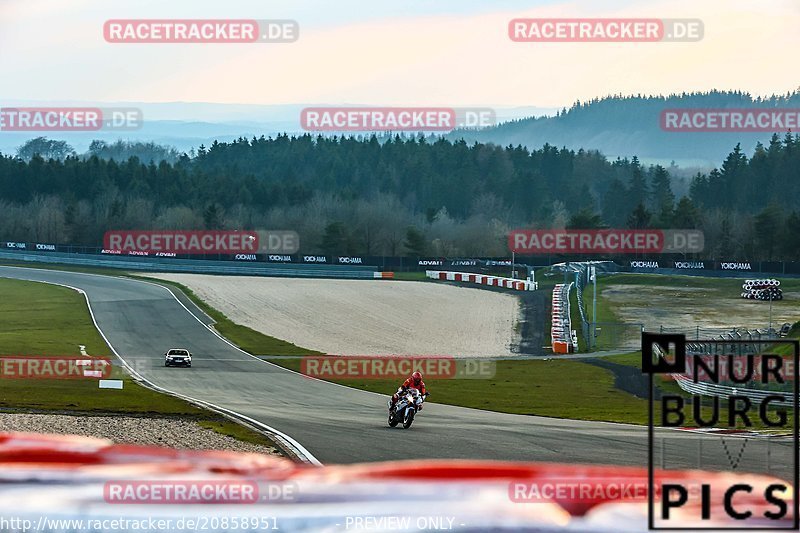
x: 408, y: 419
x: 392, y: 421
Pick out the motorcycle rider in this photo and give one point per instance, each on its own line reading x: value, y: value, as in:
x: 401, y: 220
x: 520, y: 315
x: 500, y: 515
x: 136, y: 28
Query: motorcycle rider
x: 414, y: 382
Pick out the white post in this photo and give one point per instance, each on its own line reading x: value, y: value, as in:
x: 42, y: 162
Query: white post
x: 594, y: 307
x: 770, y: 314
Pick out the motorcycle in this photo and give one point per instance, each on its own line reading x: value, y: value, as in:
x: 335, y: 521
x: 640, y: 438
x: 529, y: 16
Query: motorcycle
x: 406, y: 408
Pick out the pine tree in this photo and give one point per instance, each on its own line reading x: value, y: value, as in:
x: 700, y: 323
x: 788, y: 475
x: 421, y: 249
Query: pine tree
x: 637, y: 190
x: 415, y: 242
x: 585, y: 219
x: 334, y: 240
x: 662, y: 198
x: 212, y: 217
x: 768, y: 226
x: 615, y: 203
x: 790, y: 241
x: 639, y: 218
x: 686, y: 215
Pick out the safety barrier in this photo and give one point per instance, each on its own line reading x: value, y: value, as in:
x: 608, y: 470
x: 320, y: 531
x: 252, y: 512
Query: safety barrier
x: 563, y: 338
x: 705, y: 388
x: 154, y: 264
x: 724, y: 391
x: 481, y: 279
x: 762, y: 289
x: 581, y: 279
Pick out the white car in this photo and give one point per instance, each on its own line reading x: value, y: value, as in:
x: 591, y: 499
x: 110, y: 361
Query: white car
x: 178, y: 357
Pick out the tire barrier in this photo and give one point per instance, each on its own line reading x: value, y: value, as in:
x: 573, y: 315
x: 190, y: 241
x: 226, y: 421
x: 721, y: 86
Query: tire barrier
x: 481, y: 279
x: 762, y: 289
x: 563, y: 338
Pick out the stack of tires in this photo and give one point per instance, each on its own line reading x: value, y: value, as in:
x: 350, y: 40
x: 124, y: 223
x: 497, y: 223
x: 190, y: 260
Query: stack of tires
x: 762, y: 289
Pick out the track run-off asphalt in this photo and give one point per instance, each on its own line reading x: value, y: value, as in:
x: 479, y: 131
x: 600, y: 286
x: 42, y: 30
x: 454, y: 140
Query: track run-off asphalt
x: 330, y: 423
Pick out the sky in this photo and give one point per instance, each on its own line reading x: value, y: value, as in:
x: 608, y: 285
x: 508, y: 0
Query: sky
x: 399, y: 53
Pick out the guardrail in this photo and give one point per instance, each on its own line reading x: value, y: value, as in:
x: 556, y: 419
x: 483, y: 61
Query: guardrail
x: 563, y: 338
x: 580, y: 282
x: 713, y: 389
x: 705, y: 388
x: 154, y: 264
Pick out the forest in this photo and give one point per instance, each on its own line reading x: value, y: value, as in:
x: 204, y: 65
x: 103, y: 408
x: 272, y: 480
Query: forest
x: 628, y: 125
x: 413, y: 196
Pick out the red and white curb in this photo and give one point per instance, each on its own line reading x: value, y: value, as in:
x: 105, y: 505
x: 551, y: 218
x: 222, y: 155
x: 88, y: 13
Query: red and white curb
x: 482, y: 279
x: 734, y: 432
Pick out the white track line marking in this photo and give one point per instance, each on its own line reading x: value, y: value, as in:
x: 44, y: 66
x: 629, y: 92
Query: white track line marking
x: 229, y: 343
x: 594, y: 422
x: 285, y: 439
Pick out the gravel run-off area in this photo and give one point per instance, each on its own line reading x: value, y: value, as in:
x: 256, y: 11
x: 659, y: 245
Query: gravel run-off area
x: 365, y: 317
x: 689, y: 307
x: 167, y: 432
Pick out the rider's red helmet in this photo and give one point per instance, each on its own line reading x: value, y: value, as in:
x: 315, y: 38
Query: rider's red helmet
x: 417, y: 377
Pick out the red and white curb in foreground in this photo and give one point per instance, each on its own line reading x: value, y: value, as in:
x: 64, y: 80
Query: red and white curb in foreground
x: 84, y: 480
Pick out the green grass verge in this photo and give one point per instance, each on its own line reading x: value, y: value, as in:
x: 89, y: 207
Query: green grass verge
x: 561, y: 389
x: 520, y: 387
x: 668, y: 386
x: 606, y: 339
x: 36, y: 320
x: 629, y: 359
x: 411, y: 276
x: 554, y: 388
x: 45, y: 319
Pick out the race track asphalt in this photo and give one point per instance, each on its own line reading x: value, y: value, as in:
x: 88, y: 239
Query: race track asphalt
x: 342, y: 425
